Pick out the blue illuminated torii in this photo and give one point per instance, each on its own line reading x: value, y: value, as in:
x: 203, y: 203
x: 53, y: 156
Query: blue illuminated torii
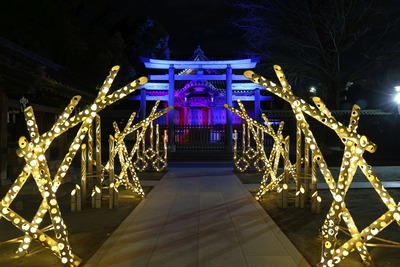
x: 199, y: 70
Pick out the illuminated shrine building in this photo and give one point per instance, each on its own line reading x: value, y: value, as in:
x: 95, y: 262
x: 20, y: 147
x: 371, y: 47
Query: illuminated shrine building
x: 198, y: 88
x: 199, y: 102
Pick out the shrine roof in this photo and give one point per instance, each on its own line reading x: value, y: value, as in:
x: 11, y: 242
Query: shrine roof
x: 28, y: 72
x: 151, y: 63
x: 199, y: 67
x: 199, y: 55
x: 200, y: 61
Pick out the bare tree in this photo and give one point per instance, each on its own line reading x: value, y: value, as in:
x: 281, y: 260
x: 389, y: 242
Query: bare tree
x: 323, y: 42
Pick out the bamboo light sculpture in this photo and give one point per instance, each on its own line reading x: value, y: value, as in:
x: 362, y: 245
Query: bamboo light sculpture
x: 112, y: 192
x: 258, y: 164
x: 150, y: 157
x: 125, y: 157
x: 241, y: 162
x: 140, y: 162
x: 125, y: 161
x: 76, y: 199
x: 99, y: 173
x: 33, y: 152
x: 355, y: 145
x: 83, y: 170
x: 250, y: 156
x: 90, y: 178
x: 159, y: 162
x: 150, y: 153
x: 278, y: 150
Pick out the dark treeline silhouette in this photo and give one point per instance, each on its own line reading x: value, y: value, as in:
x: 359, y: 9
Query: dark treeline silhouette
x: 326, y: 44
x: 86, y: 37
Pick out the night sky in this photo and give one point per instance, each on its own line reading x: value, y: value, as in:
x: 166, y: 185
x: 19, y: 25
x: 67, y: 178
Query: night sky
x: 192, y: 23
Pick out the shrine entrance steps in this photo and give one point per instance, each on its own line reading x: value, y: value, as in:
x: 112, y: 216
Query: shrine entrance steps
x: 199, y: 214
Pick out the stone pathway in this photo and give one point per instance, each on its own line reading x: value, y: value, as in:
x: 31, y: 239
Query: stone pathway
x: 198, y: 215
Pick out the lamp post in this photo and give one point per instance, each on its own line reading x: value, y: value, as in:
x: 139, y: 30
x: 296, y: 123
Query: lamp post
x: 397, y: 98
x: 312, y: 91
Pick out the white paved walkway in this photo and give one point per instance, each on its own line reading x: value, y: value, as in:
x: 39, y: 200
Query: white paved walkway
x: 198, y: 216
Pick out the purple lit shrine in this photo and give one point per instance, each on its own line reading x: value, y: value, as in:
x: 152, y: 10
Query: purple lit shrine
x: 198, y: 88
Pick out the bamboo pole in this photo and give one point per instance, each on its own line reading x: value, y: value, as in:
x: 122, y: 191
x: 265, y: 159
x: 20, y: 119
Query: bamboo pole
x: 73, y: 200
x: 298, y: 155
x: 306, y: 170
x: 99, y: 171
x: 313, y: 174
x: 111, y: 190
x: 83, y: 170
x: 314, y: 202
x: 98, y: 197
x: 280, y: 197
x: 165, y: 147
x: 78, y: 198
x: 90, y: 155
x: 286, y: 156
x: 302, y: 198
x: 285, y: 196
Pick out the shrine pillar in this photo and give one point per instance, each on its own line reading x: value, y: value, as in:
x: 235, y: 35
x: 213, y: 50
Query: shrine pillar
x: 171, y: 98
x: 142, y: 113
x: 3, y: 137
x: 228, y: 125
x: 210, y: 114
x: 257, y: 104
x: 186, y: 114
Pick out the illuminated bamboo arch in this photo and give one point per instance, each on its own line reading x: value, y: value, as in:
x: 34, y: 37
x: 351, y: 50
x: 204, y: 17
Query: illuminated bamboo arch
x: 354, y: 147
x: 33, y: 151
